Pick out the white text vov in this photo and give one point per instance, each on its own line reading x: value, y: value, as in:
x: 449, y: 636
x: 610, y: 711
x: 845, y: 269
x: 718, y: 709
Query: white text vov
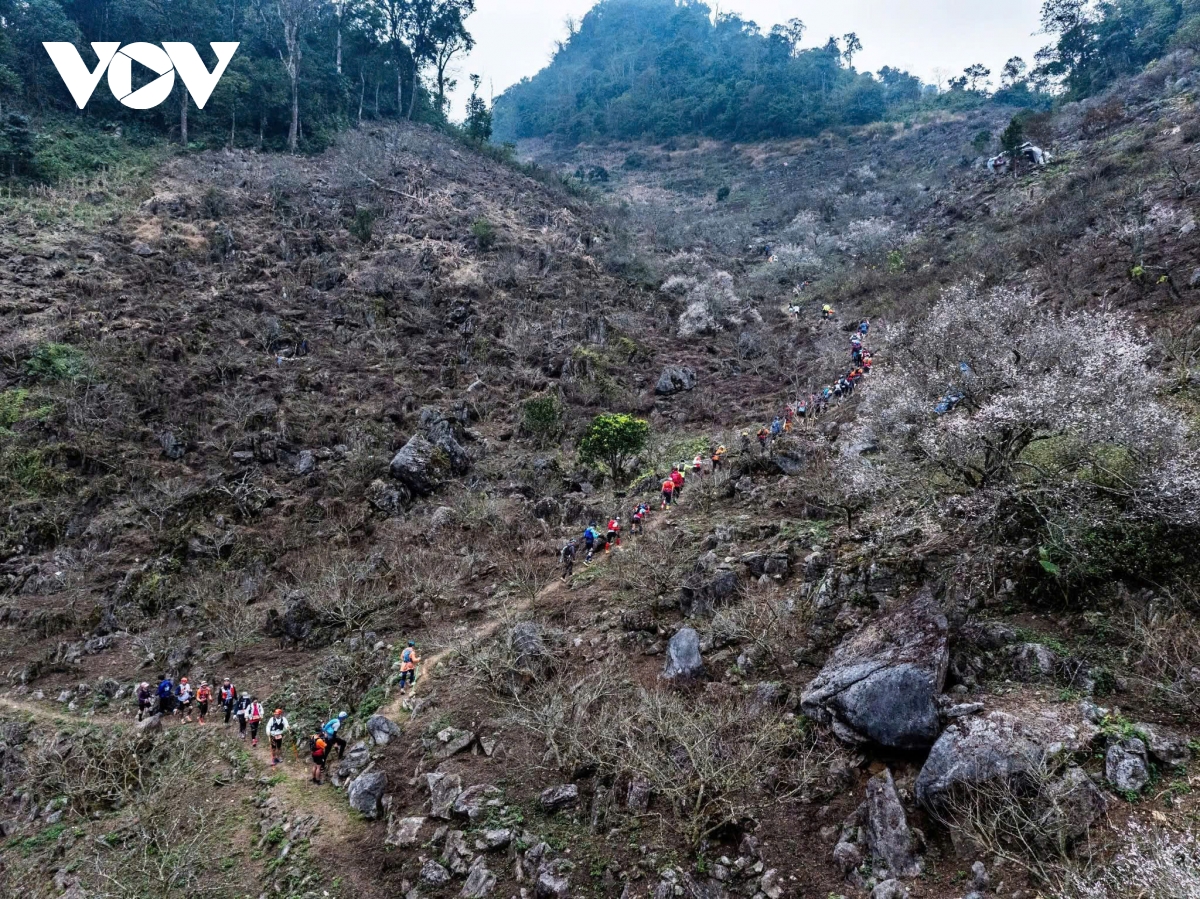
x: 171, y: 57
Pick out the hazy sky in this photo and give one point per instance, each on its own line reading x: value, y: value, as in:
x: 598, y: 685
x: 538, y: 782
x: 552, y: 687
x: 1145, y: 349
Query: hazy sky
x: 514, y: 38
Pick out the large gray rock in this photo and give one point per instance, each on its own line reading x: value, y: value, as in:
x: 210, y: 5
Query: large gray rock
x: 1034, y: 661
x: 455, y: 852
x: 472, y: 803
x: 999, y: 747
x: 887, y: 834
x: 480, y: 882
x: 444, y: 789
x: 683, y: 656
x: 1069, y: 806
x: 404, y: 831
x: 434, y: 874
x: 366, y: 793
x: 557, y: 798
x: 548, y: 886
x: 675, y: 379
x: 357, y: 758
x: 1166, y: 746
x: 882, y: 683
x: 703, y: 592
x: 529, y: 642
x: 382, y: 729
x: 442, y: 436
x: 421, y: 466
x: 1126, y: 767
x: 890, y: 889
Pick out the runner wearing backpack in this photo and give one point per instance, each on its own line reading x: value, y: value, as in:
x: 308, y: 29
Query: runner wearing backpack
x: 409, y: 660
x: 277, y: 726
x: 320, y: 753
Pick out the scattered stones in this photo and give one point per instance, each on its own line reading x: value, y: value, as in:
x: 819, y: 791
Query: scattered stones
x: 683, y: 656
x: 366, y: 793
x: 1126, y: 767
x: 557, y: 798
x: 883, y: 682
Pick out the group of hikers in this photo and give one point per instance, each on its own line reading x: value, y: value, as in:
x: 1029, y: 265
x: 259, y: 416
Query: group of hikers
x: 815, y: 404
x: 179, y: 700
x: 670, y: 491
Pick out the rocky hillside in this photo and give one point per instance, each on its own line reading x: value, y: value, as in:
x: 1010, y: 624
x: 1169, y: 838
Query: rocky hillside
x: 270, y: 418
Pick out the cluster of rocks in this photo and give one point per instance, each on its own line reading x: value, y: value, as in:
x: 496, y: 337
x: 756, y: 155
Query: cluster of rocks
x: 456, y: 856
x: 883, y: 686
x: 432, y: 456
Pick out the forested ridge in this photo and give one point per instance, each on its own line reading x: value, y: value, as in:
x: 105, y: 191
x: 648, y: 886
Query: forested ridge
x: 665, y: 68
x: 304, y: 70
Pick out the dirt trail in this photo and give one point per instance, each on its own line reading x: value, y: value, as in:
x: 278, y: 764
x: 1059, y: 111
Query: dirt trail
x: 484, y: 631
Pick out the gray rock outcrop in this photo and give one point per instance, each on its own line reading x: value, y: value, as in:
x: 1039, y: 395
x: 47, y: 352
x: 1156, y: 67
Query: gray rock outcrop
x: 882, y: 684
x: 683, y: 656
x: 1126, y: 766
x: 365, y: 794
x: 675, y: 379
x: 888, y: 836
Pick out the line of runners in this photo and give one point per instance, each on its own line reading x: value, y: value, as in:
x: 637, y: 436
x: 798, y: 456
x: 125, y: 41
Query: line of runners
x: 173, y: 700
x: 672, y: 486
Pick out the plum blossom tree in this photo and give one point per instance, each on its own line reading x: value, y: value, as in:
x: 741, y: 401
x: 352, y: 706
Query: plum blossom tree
x: 1030, y: 398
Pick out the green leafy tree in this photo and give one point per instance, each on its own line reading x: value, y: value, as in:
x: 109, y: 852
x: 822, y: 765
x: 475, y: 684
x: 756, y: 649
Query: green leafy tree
x: 541, y: 418
x: 613, y: 440
x: 1013, y: 137
x: 977, y: 76
x: 853, y: 46
x: 478, y: 124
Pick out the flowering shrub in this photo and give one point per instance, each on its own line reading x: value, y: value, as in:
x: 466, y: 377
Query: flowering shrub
x: 1153, y: 865
x: 1026, y: 393
x: 1038, y: 423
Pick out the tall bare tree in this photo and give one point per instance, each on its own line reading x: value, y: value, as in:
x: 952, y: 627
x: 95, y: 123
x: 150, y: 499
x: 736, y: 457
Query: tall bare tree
x: 291, y: 17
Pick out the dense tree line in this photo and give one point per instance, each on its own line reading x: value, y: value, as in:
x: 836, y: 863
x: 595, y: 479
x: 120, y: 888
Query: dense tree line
x: 1098, y: 42
x: 661, y: 68
x: 305, y: 68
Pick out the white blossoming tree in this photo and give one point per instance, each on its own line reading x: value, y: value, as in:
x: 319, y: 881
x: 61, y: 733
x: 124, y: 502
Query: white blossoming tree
x: 995, y: 389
